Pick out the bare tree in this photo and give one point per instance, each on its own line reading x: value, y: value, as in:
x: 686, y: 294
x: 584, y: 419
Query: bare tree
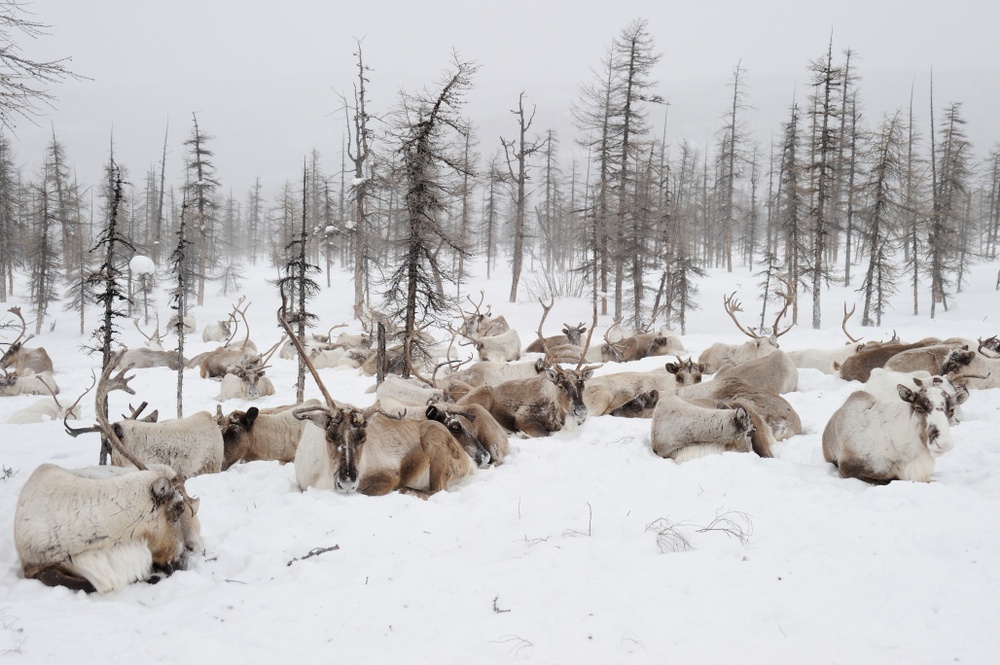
x: 200, y: 189
x: 24, y: 82
x: 428, y: 158
x: 517, y: 152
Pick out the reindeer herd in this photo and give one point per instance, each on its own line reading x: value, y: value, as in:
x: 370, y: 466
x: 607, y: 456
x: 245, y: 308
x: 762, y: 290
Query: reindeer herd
x: 100, y: 528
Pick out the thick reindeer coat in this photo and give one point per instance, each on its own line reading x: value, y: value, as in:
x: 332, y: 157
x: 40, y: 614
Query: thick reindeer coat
x: 102, y: 528
x: 683, y: 430
x: 190, y: 446
x: 878, y: 441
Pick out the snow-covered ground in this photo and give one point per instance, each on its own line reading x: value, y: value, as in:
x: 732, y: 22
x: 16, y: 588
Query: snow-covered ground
x: 584, y: 547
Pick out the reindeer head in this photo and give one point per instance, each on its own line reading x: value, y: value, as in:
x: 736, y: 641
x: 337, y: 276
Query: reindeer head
x: 235, y: 429
x: 345, y: 432
x: 569, y: 383
x: 574, y: 333
x: 935, y: 408
x: 469, y: 442
x: 686, y: 372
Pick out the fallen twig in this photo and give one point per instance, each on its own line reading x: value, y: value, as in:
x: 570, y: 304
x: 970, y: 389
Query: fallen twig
x: 316, y: 551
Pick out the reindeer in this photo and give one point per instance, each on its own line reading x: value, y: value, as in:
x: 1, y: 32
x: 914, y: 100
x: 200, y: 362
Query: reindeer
x: 191, y: 445
x: 261, y: 434
x: 24, y: 360
x: 571, y: 335
x: 174, y: 324
x: 101, y: 528
x: 370, y: 452
x: 829, y: 361
x: 246, y: 379
x: 883, y: 382
x: 978, y: 369
x: 858, y: 367
x: 683, y: 430
x: 879, y: 441
x: 719, y: 355
x: 779, y: 415
x: 629, y: 393
x: 217, y: 331
x: 537, y: 406
x: 43, y: 409
x: 492, y: 337
x: 774, y: 372
x: 146, y: 357
x: 215, y: 364
x: 13, y: 383
x: 154, y: 340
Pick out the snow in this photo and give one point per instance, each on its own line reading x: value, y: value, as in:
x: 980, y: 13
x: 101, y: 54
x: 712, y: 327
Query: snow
x: 582, y: 547
x: 142, y: 265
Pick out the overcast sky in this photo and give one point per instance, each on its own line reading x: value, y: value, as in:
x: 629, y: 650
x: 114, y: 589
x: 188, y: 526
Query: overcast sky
x: 264, y: 76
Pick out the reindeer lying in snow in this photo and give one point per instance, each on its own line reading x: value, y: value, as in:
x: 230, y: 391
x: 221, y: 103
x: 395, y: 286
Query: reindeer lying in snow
x: 44, y: 409
x: 878, y: 441
x: 536, y: 406
x: 774, y: 372
x: 261, y: 434
x: 608, y: 393
x: 190, y: 446
x: 25, y: 361
x: 720, y: 355
x: 683, y: 430
x: 12, y: 383
x: 100, y: 528
x: 350, y: 450
x: 781, y: 419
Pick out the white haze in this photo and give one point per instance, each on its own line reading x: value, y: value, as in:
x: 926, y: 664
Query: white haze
x: 560, y: 555
x: 265, y: 80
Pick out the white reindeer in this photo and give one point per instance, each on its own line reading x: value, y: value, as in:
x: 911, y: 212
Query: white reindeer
x: 879, y: 441
x: 101, y: 528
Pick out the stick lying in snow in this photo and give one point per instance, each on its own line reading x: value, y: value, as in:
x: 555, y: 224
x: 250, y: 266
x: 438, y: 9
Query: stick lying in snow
x: 316, y: 551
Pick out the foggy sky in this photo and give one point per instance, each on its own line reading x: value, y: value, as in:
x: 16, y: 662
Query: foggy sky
x: 264, y: 77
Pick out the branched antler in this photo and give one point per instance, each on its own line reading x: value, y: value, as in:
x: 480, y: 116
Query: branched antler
x: 734, y: 306
x: 843, y: 325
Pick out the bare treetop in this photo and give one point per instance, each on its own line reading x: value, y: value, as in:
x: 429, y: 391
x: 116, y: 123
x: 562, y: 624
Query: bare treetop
x: 24, y: 82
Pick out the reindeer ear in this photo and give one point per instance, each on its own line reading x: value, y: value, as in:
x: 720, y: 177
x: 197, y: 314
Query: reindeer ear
x: 905, y: 393
x: 551, y: 375
x: 673, y: 368
x: 654, y: 397
x: 742, y: 417
x: 318, y: 416
x: 432, y: 412
x: 250, y: 417
x: 587, y: 375
x: 161, y: 490
x: 540, y: 365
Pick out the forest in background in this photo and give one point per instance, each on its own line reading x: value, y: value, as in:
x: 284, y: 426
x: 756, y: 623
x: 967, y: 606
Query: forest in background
x: 612, y: 213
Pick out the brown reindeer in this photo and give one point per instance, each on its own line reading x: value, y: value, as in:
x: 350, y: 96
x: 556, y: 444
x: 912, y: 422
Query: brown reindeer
x: 370, y: 452
x: 859, y: 366
x: 24, y: 360
x: 536, y: 406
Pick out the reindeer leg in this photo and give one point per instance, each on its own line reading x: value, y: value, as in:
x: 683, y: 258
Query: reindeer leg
x: 55, y: 576
x: 379, y: 484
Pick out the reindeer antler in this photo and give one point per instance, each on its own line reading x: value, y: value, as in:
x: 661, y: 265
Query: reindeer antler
x: 302, y: 352
x: 843, y: 325
x: 107, y: 384
x: 989, y: 343
x: 732, y: 307
x: 545, y: 313
x: 16, y: 311
x: 789, y: 298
